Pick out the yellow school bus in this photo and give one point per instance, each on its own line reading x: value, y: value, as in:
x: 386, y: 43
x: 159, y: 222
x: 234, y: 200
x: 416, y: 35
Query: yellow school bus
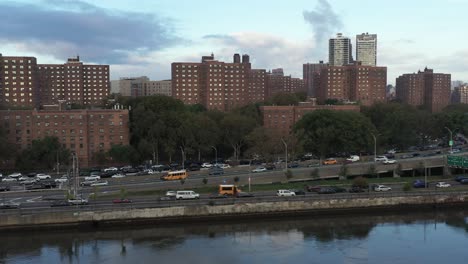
x: 175, y: 175
x: 228, y: 189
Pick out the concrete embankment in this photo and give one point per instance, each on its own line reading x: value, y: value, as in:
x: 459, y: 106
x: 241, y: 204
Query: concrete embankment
x: 83, y: 217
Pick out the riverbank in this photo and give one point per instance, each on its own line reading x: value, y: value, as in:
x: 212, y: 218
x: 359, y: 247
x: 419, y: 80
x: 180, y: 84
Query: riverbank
x: 217, y: 211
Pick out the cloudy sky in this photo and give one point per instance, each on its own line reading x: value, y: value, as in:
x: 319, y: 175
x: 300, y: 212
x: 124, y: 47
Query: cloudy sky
x: 143, y: 37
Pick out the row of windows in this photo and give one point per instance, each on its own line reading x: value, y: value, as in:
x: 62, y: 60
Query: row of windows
x: 14, y: 61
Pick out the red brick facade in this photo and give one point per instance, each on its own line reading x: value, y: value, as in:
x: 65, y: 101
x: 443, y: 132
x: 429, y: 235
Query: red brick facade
x: 433, y: 90
x: 84, y: 132
x: 281, y: 119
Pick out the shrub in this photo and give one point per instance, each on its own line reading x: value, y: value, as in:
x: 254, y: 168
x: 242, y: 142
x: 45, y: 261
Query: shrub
x: 288, y: 174
x: 361, y: 182
x: 205, y: 181
x: 407, y: 187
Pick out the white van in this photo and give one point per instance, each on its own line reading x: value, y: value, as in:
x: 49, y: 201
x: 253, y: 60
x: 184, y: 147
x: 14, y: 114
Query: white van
x: 187, y: 195
x: 285, y: 193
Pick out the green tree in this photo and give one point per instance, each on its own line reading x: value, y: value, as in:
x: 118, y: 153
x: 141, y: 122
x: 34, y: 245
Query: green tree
x: 407, y: 187
x: 123, y: 154
x: 360, y: 182
x: 283, y: 99
x: 43, y: 154
x: 235, y: 129
x: 324, y: 132
x: 205, y: 181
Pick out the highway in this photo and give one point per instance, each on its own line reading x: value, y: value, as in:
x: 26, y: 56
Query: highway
x: 44, y: 198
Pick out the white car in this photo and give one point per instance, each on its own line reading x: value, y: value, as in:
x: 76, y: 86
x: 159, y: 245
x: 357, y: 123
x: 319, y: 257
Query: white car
x: 118, y: 176
x: 207, y: 165
x: 380, y: 159
x: 285, y: 193
x: 103, y: 183
x: 62, y: 179
x: 78, y: 201
x: 23, y: 178
x: 259, y: 169
x: 171, y: 193
x: 8, y: 179
x: 353, y: 158
x: 224, y: 166
x: 87, y: 183
x: 92, y: 178
x: 442, y: 185
x: 15, y: 175
x: 110, y: 169
x: 42, y: 176
x: 187, y: 195
x: 29, y: 181
x: 382, y: 188
x: 389, y: 161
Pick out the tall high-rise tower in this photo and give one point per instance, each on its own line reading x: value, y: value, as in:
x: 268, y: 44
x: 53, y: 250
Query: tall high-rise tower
x: 366, y: 49
x: 340, y: 51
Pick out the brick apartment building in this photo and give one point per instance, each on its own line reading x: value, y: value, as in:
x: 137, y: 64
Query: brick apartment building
x: 310, y: 72
x: 276, y: 82
x: 24, y: 83
x: 356, y: 83
x: 224, y: 86
x: 19, y: 85
x: 141, y: 86
x: 425, y: 88
x: 460, y: 94
x: 84, y: 132
x: 281, y: 119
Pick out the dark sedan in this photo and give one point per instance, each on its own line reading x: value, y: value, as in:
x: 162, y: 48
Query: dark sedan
x: 298, y: 192
x: 326, y: 191
x: 338, y: 189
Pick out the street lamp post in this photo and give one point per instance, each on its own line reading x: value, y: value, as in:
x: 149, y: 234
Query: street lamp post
x: 183, y: 158
x: 450, y: 142
x: 286, y: 148
x: 216, y: 154
x: 375, y: 146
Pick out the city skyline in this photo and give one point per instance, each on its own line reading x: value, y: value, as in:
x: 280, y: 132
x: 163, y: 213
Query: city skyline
x: 145, y: 39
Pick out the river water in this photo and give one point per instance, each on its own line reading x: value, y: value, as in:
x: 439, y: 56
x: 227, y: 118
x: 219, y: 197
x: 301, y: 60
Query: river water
x: 424, y: 237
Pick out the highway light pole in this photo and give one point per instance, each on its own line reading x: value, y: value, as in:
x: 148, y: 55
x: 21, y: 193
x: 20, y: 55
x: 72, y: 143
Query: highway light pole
x: 286, y: 147
x: 216, y: 154
x: 375, y: 146
x: 183, y: 158
x: 451, y: 141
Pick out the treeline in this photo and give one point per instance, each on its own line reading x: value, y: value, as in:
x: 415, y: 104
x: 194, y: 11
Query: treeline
x: 164, y: 129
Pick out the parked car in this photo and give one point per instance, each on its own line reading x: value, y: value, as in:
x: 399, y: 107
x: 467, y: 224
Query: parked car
x: 259, y: 169
x: 223, y: 166
x: 382, y: 188
x: 442, y: 185
x: 29, y: 181
x: 23, y: 178
x: 419, y: 184
x: 118, y: 176
x: 42, y: 176
x: 8, y: 179
x: 92, y: 178
x: 285, y: 193
x: 464, y: 181
x: 15, y: 175
x: 314, y: 164
x: 298, y: 192
x: 34, y: 186
x: 194, y: 167
x: 353, y: 158
x: 391, y: 151
x: 407, y: 156
x: 330, y: 161
x: 110, y: 169
x: 270, y: 166
x: 171, y: 193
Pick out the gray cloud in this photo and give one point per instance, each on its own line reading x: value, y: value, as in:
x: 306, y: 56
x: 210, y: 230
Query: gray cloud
x: 63, y: 28
x: 324, y: 21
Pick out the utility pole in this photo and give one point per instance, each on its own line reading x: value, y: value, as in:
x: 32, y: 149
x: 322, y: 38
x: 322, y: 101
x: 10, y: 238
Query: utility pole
x: 216, y: 154
x: 375, y: 147
x: 451, y: 141
x: 183, y: 158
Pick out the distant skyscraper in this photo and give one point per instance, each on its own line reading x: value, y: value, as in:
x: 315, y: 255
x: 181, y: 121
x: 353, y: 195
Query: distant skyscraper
x: 340, y: 51
x: 366, y: 49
